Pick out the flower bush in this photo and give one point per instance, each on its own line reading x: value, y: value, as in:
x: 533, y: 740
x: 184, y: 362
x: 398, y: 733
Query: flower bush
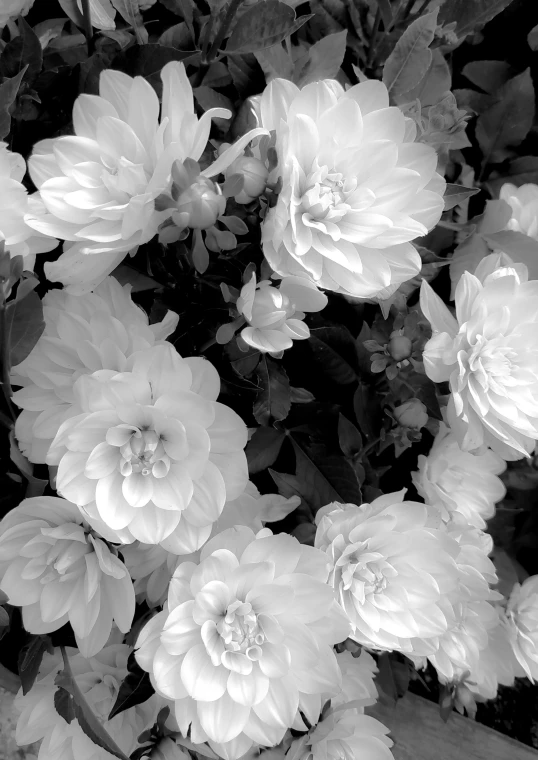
x: 260, y: 471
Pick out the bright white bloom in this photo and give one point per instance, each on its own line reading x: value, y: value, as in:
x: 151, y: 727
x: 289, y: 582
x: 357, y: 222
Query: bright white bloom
x: 464, y: 486
x: 99, y: 678
x: 10, y: 9
x: 53, y: 567
x: 356, y: 188
x: 497, y: 664
x: 150, y: 452
x: 100, y: 185
x: 523, y: 201
x: 522, y: 621
x: 275, y: 314
x: 15, y: 204
x: 245, y: 639
x: 344, y: 735
x: 489, y: 353
x: 358, y: 679
x: 83, y: 334
x: 390, y: 570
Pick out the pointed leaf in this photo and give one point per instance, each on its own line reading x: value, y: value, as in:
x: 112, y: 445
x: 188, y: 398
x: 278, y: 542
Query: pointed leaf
x: 456, y: 194
x: 333, y: 348
x: 64, y: 704
x: 411, y: 58
x: 25, y: 325
x: 468, y: 14
x: 135, y: 688
x: 30, y: 657
x: 264, y: 24
x: 273, y: 400
x: 263, y: 448
x: 349, y: 438
x: 8, y: 95
x: 22, y: 52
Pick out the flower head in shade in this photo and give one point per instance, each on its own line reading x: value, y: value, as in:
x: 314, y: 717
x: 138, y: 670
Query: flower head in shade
x: 356, y: 187
x: 53, y: 567
x: 83, y: 334
x: 464, y: 486
x: 523, y: 201
x: 150, y: 452
x: 275, y: 315
x: 100, y: 185
x: 489, y: 354
x: 99, y: 678
x: 15, y: 204
x: 522, y: 622
x: 390, y: 570
x: 245, y: 639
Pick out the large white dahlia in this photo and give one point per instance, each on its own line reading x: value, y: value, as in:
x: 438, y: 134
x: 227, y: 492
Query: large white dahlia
x: 15, y: 204
x: 523, y: 201
x: 464, y: 486
x: 356, y: 188
x: 83, y: 334
x: 12, y: 8
x: 489, y: 354
x: 53, y: 567
x: 100, y: 185
x: 522, y: 622
x: 99, y: 678
x: 245, y: 640
x: 390, y: 570
x: 149, y: 452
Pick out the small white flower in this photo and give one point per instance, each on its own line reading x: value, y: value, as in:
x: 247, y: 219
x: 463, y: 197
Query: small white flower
x: 53, y: 567
x: 522, y: 621
x: 523, y: 201
x: 275, y: 314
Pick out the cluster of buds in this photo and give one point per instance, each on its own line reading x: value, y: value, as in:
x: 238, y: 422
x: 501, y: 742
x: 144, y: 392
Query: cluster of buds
x: 403, y: 348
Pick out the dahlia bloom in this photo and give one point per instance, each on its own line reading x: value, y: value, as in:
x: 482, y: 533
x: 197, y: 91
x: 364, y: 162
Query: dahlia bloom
x: 464, y: 486
x: 53, y: 567
x: 245, y: 640
x: 390, y: 570
x: 522, y: 622
x: 99, y: 678
x: 275, y: 315
x: 12, y: 8
x: 356, y: 187
x: 150, y: 452
x: 523, y: 201
x: 497, y: 664
x: 100, y: 185
x: 16, y: 204
x: 489, y: 353
x: 358, y: 679
x: 83, y: 334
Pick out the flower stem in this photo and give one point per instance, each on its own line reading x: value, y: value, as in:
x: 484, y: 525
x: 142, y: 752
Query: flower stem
x: 88, y: 29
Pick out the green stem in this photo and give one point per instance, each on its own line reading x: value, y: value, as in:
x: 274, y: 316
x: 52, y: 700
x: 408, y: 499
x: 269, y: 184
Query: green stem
x: 88, y: 29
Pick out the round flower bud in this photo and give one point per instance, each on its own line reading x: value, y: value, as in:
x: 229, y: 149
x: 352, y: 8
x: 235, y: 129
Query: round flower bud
x: 254, y: 174
x: 400, y: 347
x: 412, y: 414
x: 204, y: 203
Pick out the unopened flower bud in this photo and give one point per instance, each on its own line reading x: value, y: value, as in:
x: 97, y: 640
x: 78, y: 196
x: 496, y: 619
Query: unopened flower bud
x: 203, y: 202
x: 254, y: 174
x: 400, y: 348
x: 412, y: 414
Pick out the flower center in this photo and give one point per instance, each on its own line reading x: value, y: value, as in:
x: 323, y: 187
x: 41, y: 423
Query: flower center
x: 364, y: 573
x: 144, y: 453
x: 325, y: 197
x: 239, y: 630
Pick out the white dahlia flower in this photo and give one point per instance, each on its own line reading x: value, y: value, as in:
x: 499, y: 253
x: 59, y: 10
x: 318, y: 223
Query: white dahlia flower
x: 10, y: 9
x: 100, y: 185
x: 99, y: 678
x: 245, y: 639
x: 16, y: 204
x: 356, y: 188
x: 275, y: 315
x: 390, y: 570
x: 522, y: 622
x: 464, y: 486
x: 358, y: 680
x: 497, y: 664
x: 150, y: 452
x: 83, y: 334
x: 53, y: 567
x: 523, y: 201
x: 489, y: 354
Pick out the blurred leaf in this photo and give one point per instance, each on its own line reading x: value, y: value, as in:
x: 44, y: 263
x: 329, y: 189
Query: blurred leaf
x: 130, y: 11
x: 48, y: 30
x: 436, y: 82
x: 64, y: 705
x: 324, y: 477
x: 520, y: 171
x: 217, y: 75
x: 8, y: 95
x: 305, y: 533
x: 468, y: 14
x: 263, y: 448
x: 275, y: 62
x: 262, y: 25
x: 367, y: 411
x: 532, y: 38
x: 488, y: 75
x: 135, y: 688
x: 29, y: 662
x: 177, y: 36
x: 25, y: 325
x: 102, y: 14
x: 411, y: 58
x: 471, y: 100
x: 22, y: 52
x: 349, y: 437
x: 126, y: 275
x: 331, y: 347
x: 508, y: 121
x: 287, y: 485
x: 273, y: 400
x: 148, y: 61
x: 242, y: 69
x: 385, y: 8
x: 324, y: 59
x: 72, y: 10
x: 455, y: 194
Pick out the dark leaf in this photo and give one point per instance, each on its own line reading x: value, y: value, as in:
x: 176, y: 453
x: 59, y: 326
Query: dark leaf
x: 305, y: 533
x: 8, y: 95
x: 263, y: 448
x: 4, y: 619
x: 488, y: 75
x: 89, y: 723
x: 388, y: 692
x: 130, y: 11
x: 471, y: 100
x: 177, y: 36
x: 22, y: 52
x: 508, y: 121
x: 242, y: 69
x: 149, y: 60
x: 135, y: 688
x: 349, y: 438
x: 385, y: 8
x: 287, y: 485
x: 64, y: 704
x: 324, y: 477
x: 273, y: 400
x: 411, y: 58
x: 24, y: 325
x: 262, y: 25
x: 367, y: 411
x: 468, y: 14
x: 72, y: 10
x: 532, y: 38
x: 332, y: 348
x: 29, y: 662
x: 456, y: 194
